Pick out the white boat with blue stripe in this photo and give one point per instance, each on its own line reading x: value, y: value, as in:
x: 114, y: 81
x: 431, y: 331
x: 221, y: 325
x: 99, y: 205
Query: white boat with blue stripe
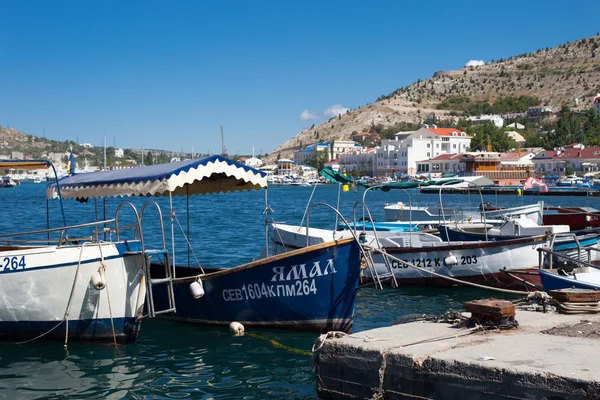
x: 57, y: 286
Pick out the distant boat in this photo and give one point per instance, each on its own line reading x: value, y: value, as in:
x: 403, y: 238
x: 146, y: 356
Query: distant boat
x: 571, y: 180
x: 8, y: 182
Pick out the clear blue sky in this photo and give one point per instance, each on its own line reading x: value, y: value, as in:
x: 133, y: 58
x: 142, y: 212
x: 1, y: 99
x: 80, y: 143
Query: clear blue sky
x: 167, y: 74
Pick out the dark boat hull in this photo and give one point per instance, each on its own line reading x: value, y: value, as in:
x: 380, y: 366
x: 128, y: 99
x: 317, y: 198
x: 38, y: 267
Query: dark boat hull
x: 312, y: 289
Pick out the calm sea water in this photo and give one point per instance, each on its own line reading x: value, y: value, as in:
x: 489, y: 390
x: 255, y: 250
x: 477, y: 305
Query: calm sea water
x: 172, y: 360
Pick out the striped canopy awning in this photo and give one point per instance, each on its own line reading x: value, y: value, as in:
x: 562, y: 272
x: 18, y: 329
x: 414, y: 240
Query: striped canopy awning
x: 214, y: 174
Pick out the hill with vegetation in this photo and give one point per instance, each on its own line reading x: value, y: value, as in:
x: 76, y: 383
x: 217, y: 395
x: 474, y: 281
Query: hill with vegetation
x: 12, y: 140
x: 566, y: 77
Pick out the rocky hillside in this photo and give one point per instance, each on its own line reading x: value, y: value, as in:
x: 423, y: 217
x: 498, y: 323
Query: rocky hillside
x: 565, y: 75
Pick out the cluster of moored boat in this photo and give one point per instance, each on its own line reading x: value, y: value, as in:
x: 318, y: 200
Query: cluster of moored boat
x: 101, y: 285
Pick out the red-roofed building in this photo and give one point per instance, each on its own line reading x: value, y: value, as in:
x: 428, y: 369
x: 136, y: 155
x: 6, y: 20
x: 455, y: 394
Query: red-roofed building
x: 503, y: 168
x: 402, y: 153
x: 582, y: 160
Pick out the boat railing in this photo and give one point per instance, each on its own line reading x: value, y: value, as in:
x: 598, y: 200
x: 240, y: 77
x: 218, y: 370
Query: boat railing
x: 106, y: 227
x: 359, y: 239
x: 570, y: 235
x: 551, y: 254
x: 443, y: 216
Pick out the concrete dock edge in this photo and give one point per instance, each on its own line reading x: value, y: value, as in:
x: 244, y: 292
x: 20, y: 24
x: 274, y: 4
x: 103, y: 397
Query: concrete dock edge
x: 517, y: 364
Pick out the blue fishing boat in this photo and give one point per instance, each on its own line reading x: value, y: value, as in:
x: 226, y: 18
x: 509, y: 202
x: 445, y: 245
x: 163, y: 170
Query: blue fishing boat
x: 311, y: 289
x: 551, y: 280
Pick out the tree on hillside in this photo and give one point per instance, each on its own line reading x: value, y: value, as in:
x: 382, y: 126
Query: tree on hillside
x: 149, y: 160
x: 499, y: 140
x: 318, y: 160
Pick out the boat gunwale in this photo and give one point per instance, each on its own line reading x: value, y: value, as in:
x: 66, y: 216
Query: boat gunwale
x: 257, y: 263
x: 467, y: 245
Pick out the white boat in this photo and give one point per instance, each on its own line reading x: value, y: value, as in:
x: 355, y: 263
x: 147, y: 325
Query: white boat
x: 435, y: 216
x: 8, y: 182
x: 571, y: 180
x: 500, y: 264
x: 71, y: 287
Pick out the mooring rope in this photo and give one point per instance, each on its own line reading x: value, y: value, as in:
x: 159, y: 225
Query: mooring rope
x: 103, y: 267
x: 188, y: 243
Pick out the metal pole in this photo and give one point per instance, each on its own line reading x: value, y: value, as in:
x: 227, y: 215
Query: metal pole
x: 104, y: 211
x: 267, y: 222
x: 48, y: 219
x: 187, y: 200
x: 171, y: 214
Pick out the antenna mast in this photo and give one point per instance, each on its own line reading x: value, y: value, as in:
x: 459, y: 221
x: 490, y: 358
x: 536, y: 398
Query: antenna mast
x: 223, y: 149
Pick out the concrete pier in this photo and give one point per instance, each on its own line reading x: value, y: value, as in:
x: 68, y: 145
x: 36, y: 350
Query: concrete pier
x: 523, y: 363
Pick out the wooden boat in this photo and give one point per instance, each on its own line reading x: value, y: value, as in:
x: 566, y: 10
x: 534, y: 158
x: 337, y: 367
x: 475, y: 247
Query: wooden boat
x: 311, y: 289
x: 70, y: 288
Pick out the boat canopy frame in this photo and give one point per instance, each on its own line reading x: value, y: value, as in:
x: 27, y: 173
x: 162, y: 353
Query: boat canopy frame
x: 208, y: 175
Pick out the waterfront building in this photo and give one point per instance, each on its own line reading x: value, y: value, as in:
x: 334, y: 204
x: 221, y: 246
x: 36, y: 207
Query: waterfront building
x: 482, y: 119
x: 402, y: 153
x: 576, y: 157
x: 511, y: 168
x: 361, y: 160
x: 439, y: 165
x: 253, y: 162
x: 285, y: 167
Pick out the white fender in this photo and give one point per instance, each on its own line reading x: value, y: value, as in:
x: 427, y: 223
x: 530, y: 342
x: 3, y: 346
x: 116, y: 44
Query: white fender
x: 236, y: 328
x: 450, y: 260
x: 99, y: 280
x: 197, y: 289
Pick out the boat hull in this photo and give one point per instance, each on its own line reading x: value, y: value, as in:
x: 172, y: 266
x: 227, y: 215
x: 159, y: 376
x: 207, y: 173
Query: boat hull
x: 311, y: 289
x: 575, y: 220
x: 494, y: 264
x: 552, y: 281
x: 38, y: 282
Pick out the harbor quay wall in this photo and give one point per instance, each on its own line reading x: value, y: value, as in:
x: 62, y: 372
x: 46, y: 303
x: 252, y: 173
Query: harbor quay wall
x: 394, y: 363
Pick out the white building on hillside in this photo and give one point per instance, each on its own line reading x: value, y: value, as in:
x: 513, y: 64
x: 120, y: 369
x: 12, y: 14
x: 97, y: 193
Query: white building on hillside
x: 343, y: 146
x: 253, y: 162
x: 481, y: 119
x: 310, y: 151
x: 402, y: 153
x: 597, y: 104
x: 119, y: 153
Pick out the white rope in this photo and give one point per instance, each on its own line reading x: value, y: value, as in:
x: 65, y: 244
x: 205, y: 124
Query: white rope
x: 70, y: 302
x: 385, y: 254
x: 103, y: 268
